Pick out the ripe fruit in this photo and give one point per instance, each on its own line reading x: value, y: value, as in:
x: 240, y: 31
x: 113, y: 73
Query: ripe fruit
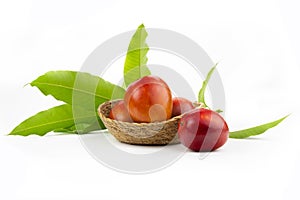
x: 149, y: 99
x: 119, y: 112
x: 181, y: 105
x: 202, y: 130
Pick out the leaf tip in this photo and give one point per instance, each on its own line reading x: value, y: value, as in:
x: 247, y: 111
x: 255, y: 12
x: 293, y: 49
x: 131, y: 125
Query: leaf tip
x: 286, y: 116
x: 215, y: 66
x: 26, y: 84
x: 141, y: 26
x: 12, y: 133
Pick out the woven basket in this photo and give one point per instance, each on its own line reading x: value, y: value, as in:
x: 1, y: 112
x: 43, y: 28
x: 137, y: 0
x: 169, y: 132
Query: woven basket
x: 157, y: 133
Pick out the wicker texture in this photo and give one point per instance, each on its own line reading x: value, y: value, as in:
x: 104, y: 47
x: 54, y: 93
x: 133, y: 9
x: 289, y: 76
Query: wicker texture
x: 158, y: 133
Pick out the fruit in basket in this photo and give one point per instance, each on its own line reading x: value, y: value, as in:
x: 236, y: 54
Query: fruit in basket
x: 149, y: 99
x: 119, y: 112
x: 181, y: 105
x: 202, y: 130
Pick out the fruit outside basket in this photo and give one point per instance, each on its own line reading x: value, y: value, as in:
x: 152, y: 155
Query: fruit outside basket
x: 156, y: 133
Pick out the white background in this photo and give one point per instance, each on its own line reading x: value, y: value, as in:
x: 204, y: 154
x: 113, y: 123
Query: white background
x: 258, y: 46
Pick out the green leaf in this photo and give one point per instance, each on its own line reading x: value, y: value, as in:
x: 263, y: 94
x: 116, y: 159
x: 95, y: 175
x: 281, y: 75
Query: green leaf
x: 255, y: 130
x: 71, y: 130
x: 83, y: 128
x: 201, y: 94
x: 219, y: 110
x: 74, y: 128
x: 96, y: 125
x: 52, y: 119
x: 78, y: 88
x: 136, y: 59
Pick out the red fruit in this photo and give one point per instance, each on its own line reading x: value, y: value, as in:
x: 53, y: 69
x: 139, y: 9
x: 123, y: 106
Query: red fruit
x: 181, y: 105
x: 202, y: 130
x: 119, y: 112
x: 149, y: 99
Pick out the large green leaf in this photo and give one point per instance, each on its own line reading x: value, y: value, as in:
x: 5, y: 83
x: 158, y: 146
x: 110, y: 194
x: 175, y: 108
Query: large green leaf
x: 255, y: 130
x: 136, y: 59
x: 70, y: 129
x: 82, y: 128
x: 94, y: 126
x: 78, y: 88
x: 52, y: 119
x: 201, y: 94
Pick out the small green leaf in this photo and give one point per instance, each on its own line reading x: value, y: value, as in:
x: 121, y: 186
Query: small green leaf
x: 255, y: 130
x: 201, y: 94
x: 219, y: 110
x: 52, y: 119
x: 78, y: 88
x: 136, y: 58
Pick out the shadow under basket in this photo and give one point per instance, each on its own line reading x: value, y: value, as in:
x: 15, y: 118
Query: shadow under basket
x: 156, y: 133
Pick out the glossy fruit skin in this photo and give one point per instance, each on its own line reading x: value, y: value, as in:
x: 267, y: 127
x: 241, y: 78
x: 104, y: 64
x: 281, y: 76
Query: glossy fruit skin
x: 149, y: 99
x: 119, y: 112
x: 203, y: 130
x: 181, y: 105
